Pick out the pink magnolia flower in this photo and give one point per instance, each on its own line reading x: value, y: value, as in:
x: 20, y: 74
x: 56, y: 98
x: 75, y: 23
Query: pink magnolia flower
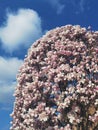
x: 58, y: 82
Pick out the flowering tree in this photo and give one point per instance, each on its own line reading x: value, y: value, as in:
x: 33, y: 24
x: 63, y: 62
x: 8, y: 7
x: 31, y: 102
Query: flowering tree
x: 57, y: 86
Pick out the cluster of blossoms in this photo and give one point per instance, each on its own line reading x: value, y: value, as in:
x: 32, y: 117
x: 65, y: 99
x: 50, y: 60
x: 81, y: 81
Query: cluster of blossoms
x: 57, y: 86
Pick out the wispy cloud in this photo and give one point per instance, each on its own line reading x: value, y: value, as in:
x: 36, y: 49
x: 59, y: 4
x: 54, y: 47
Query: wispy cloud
x: 21, y: 28
x: 82, y: 2
x: 79, y: 5
x: 8, y: 70
x: 57, y: 5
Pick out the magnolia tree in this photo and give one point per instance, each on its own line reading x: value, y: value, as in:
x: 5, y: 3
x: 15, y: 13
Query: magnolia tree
x: 57, y: 86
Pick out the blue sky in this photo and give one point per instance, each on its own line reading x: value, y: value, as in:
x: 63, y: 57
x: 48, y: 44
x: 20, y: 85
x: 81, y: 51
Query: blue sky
x: 24, y: 21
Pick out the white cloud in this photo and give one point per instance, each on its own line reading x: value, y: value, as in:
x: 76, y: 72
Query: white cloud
x: 6, y: 93
x: 57, y: 5
x: 21, y: 29
x: 8, y: 70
